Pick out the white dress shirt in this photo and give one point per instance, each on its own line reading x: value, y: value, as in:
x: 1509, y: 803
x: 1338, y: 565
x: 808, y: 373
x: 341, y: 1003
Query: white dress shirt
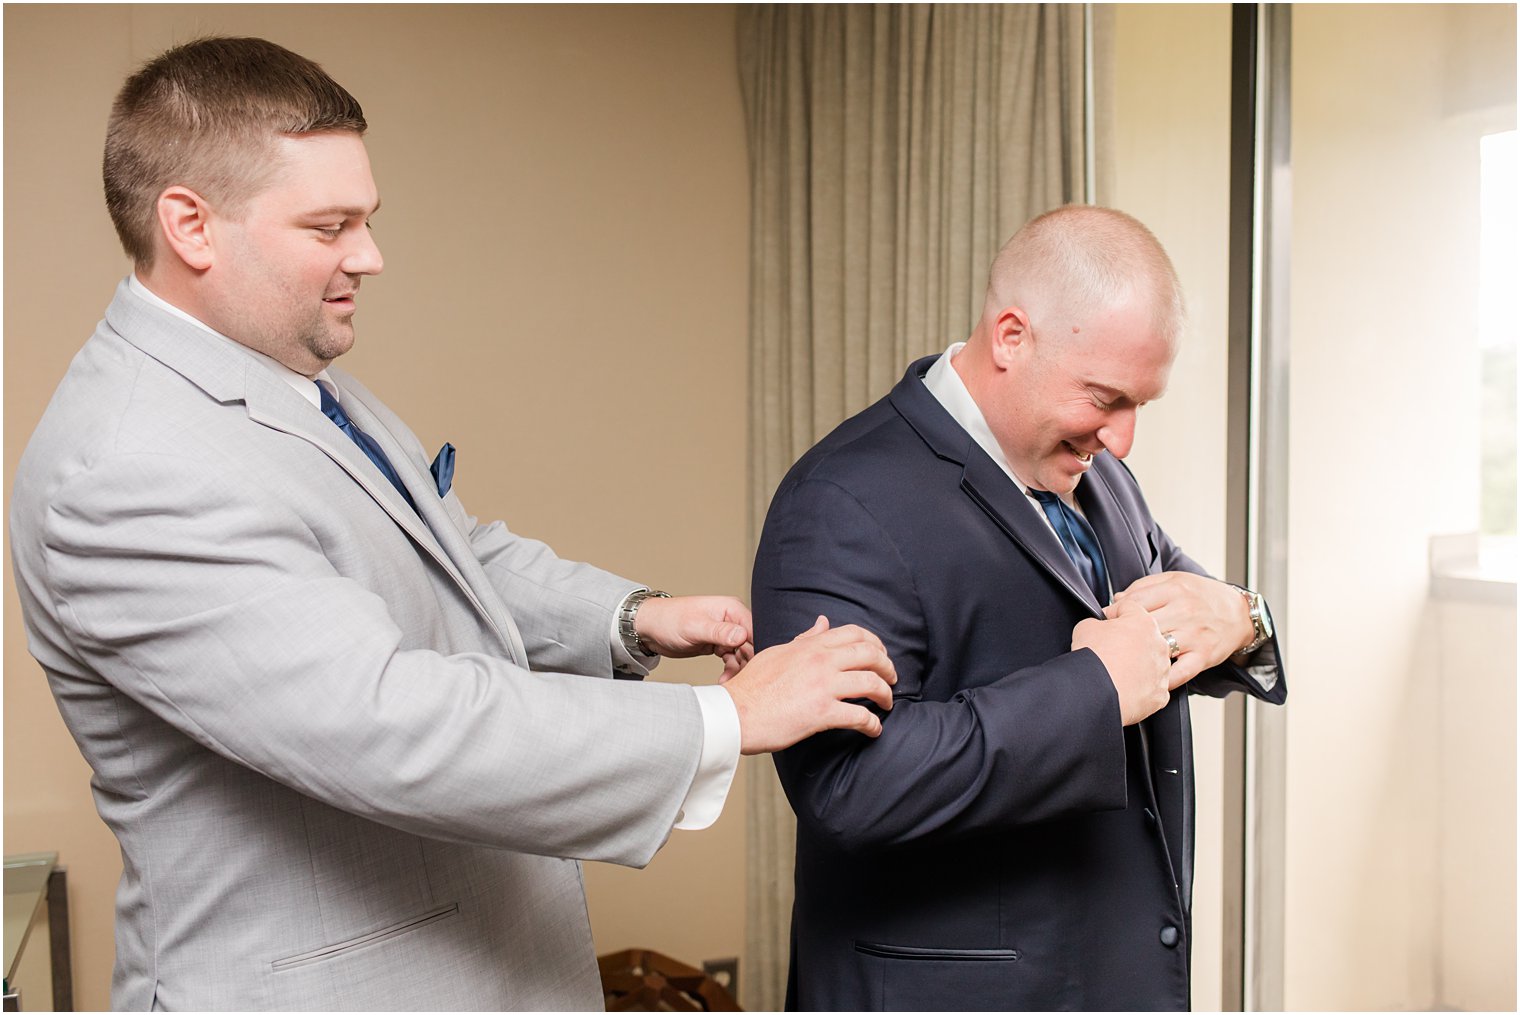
x: 720, y: 718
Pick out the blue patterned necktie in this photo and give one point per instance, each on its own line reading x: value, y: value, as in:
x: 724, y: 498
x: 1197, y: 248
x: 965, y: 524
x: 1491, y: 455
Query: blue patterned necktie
x: 1079, y: 541
x: 333, y: 411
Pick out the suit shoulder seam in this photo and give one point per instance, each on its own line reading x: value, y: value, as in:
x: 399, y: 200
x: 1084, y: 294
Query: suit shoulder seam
x: 896, y: 551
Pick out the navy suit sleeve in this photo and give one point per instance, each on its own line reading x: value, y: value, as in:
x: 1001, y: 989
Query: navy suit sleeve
x: 1037, y: 743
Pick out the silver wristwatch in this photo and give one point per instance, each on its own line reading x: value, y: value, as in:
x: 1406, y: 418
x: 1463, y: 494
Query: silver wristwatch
x: 1261, y: 622
x: 626, y: 613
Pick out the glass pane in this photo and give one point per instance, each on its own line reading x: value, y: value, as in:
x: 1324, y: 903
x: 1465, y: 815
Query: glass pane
x: 1400, y: 856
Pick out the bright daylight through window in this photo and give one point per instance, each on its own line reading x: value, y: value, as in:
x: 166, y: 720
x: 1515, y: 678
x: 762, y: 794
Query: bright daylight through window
x: 1497, y: 327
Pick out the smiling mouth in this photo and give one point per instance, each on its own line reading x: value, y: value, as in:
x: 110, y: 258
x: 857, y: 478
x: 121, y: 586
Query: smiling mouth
x: 1082, y: 457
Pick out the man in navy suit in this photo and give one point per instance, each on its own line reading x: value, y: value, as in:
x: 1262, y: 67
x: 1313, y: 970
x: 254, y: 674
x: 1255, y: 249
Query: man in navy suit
x: 1020, y: 835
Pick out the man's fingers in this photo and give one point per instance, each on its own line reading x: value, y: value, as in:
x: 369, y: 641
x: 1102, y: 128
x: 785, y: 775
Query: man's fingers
x: 1185, y: 668
x: 733, y: 662
x: 862, y: 655
x: 1128, y: 606
x: 852, y: 633
x: 863, y: 684
x: 844, y: 716
x: 1150, y: 581
x: 739, y: 614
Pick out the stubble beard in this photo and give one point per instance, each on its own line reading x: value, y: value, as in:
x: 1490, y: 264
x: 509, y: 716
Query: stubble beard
x: 327, y: 340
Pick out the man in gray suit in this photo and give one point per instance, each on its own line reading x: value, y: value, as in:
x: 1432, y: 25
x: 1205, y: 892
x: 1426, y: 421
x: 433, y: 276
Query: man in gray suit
x: 347, y: 736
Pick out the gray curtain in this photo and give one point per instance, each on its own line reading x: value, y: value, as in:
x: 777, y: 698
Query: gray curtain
x: 892, y: 151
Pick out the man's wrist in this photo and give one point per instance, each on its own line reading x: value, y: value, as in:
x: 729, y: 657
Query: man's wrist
x: 1260, y: 621
x: 627, y: 621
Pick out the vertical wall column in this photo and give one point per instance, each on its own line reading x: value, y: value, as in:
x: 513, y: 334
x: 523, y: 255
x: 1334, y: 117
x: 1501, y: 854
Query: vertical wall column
x: 1257, y: 501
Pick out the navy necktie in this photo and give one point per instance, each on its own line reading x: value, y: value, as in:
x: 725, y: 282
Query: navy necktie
x: 1078, y: 539
x: 333, y: 411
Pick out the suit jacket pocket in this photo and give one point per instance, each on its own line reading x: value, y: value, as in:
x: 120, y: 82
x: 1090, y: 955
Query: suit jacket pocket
x: 939, y: 954
x: 333, y: 951
x: 958, y: 979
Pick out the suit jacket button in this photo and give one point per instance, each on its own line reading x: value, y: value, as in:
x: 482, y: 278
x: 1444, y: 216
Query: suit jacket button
x: 1170, y: 936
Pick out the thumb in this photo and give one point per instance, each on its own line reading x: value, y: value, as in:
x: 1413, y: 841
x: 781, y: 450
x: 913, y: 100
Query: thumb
x: 729, y: 635
x: 819, y: 626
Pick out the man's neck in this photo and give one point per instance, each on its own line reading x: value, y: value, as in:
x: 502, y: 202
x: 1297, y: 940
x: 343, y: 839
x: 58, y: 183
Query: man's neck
x: 156, y: 291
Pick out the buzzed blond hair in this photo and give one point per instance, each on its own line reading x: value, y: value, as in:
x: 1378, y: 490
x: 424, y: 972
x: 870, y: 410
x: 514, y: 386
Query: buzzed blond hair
x: 1080, y: 258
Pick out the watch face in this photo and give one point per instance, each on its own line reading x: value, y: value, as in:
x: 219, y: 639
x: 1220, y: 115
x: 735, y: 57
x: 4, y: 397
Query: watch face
x: 1264, y: 619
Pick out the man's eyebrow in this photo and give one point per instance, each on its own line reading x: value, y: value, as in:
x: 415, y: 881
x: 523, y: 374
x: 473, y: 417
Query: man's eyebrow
x: 347, y: 211
x: 1111, y: 394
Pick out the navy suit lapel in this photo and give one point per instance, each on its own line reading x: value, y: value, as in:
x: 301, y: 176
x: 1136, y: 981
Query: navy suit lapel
x: 1124, y: 548
x: 1165, y: 736
x: 986, y: 483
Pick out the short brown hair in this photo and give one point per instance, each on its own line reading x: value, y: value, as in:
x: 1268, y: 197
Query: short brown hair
x: 205, y: 115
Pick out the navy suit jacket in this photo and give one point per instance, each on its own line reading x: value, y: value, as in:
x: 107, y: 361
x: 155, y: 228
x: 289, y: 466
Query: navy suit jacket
x: 1006, y: 843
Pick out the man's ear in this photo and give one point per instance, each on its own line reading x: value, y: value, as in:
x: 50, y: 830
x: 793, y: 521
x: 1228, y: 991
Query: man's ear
x: 1010, y: 336
x: 184, y: 222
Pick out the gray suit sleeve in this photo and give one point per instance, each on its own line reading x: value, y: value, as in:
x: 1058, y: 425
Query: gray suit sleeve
x: 213, y: 604
x: 548, y: 596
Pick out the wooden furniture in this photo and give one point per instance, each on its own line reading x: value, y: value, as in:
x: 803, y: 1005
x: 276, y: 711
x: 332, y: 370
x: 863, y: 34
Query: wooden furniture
x: 642, y: 980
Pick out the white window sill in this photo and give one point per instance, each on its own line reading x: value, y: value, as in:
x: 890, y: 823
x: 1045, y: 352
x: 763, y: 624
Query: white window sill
x: 1473, y: 569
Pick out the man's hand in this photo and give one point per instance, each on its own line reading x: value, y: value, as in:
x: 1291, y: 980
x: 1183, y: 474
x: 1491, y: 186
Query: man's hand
x: 789, y: 692
x: 1210, y: 620
x: 685, y: 626
x: 1133, y: 651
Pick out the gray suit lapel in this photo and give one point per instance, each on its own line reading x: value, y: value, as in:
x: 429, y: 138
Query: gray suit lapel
x: 272, y: 403
x: 377, y: 421
x: 229, y: 373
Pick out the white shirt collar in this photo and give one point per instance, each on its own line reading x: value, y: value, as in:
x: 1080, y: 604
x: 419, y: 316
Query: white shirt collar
x: 300, y: 382
x: 945, y: 384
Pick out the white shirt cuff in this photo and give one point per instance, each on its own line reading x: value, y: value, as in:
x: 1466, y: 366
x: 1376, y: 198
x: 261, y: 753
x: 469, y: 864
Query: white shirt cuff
x: 720, y: 759
x: 1262, y: 666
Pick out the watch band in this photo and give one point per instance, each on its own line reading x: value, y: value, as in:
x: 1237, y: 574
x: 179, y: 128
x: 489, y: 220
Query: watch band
x: 1260, y: 627
x: 627, y: 612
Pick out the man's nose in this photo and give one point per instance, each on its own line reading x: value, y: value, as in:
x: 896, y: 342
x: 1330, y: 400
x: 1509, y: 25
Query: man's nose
x: 363, y: 257
x: 1118, y: 434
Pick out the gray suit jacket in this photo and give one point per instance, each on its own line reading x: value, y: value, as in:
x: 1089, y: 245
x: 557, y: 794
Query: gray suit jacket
x: 346, y: 749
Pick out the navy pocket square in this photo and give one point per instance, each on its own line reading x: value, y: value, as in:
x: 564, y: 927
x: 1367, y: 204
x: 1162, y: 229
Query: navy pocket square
x: 443, y: 469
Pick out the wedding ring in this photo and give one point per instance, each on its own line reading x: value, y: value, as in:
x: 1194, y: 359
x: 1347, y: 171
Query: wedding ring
x: 1173, y: 649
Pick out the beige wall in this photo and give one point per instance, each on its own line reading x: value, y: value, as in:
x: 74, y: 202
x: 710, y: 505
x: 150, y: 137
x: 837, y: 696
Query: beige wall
x: 565, y: 232
x: 1170, y: 168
